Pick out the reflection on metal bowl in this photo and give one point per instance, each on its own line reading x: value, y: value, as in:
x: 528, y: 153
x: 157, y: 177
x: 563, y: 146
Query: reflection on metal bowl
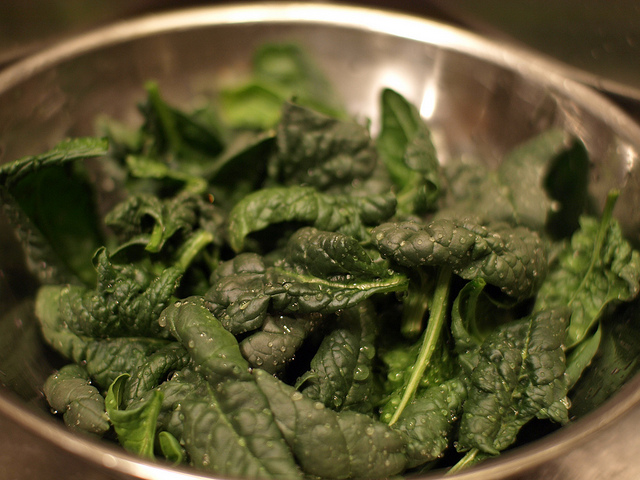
x: 481, y: 99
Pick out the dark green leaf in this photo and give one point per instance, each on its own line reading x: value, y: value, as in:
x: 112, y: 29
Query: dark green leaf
x: 236, y: 297
x: 524, y: 172
x: 105, y: 359
x: 598, y: 268
x: 154, y: 370
x: 154, y: 221
x: 293, y: 292
x: 520, y: 376
x: 275, y: 345
x: 232, y: 432
x: 327, y: 254
x: 617, y: 360
x: 521, y: 191
x: 341, y: 372
x: 241, y: 168
x: 320, y: 151
x: 172, y: 130
x: 348, y: 215
x: 210, y: 346
x: 513, y: 259
x: 329, y: 444
x: 135, y: 427
x: 427, y: 422
x: 127, y: 301
x: 408, y: 152
x: 69, y: 392
x: 49, y: 201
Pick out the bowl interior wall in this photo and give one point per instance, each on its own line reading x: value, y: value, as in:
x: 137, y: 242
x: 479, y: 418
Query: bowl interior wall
x: 476, y: 108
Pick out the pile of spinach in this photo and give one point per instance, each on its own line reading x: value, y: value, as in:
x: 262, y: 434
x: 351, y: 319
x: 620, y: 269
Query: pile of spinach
x: 276, y: 294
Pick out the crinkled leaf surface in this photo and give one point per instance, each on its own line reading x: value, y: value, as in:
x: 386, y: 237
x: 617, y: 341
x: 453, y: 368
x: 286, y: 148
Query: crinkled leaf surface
x: 127, y: 301
x: 406, y: 148
x: 232, y: 432
x: 341, y: 372
x: 69, y: 392
x: 520, y: 375
x: 521, y: 190
x: 49, y: 201
x: 275, y: 344
x: 210, y: 346
x: 513, y: 259
x: 597, y: 268
x: 345, y: 214
x: 330, y: 444
x: 320, y: 151
x: 428, y: 421
x: 136, y: 425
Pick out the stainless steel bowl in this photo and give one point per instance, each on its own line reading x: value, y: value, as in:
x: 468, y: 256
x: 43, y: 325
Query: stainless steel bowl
x: 481, y: 98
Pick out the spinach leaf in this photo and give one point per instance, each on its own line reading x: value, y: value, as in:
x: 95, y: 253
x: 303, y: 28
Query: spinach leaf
x: 429, y: 344
x: 341, y: 371
x: 103, y: 359
x: 522, y: 190
x: 428, y: 421
x: 210, y: 346
x: 149, y: 169
x: 406, y: 148
x: 520, y: 375
x: 154, y: 369
x: 464, y: 325
x: 147, y: 219
x: 279, y: 72
x: 236, y: 296
x: 232, y: 432
x: 171, y: 448
x: 170, y: 130
x: 616, y: 361
x: 275, y: 344
x: 293, y: 292
x: 320, y: 151
x: 598, y: 268
x: 524, y: 172
x: 329, y: 444
x: 49, y: 201
x: 331, y: 255
x: 340, y: 213
x: 241, y: 168
x: 128, y: 298
x: 136, y: 425
x: 513, y: 259
x: 69, y: 392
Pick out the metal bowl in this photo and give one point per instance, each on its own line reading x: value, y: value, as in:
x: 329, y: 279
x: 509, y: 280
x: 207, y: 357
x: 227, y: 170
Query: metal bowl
x: 481, y: 99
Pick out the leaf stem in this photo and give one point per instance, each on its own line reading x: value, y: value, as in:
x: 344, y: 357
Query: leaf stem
x: 430, y: 339
x: 464, y: 462
x: 192, y: 247
x: 414, y: 307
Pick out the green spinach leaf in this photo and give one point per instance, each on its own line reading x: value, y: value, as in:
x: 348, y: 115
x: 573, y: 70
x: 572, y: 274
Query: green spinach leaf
x: 49, y: 201
x: 69, y: 392
x: 320, y: 151
x: 406, y: 148
x: 135, y: 426
x: 329, y: 444
x: 520, y: 375
x: 339, y: 213
x: 512, y: 259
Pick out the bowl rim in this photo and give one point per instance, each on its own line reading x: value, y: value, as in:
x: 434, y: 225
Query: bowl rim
x: 542, y: 70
